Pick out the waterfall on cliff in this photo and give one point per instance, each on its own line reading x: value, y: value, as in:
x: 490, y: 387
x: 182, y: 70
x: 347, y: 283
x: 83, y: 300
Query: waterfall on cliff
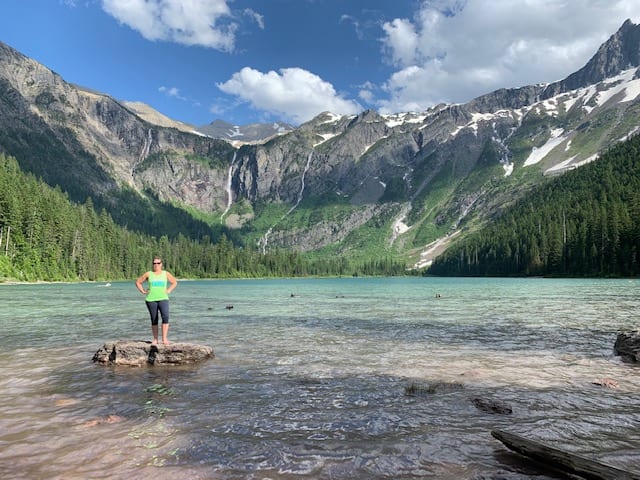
x: 229, y: 192
x: 265, y: 238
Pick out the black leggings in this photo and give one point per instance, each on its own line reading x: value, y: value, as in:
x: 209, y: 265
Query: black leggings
x: 161, y: 306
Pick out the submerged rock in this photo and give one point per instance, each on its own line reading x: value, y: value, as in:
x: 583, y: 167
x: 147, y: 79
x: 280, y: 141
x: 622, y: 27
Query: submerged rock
x: 106, y: 419
x: 627, y: 346
x: 414, y: 389
x: 492, y: 406
x: 137, y: 353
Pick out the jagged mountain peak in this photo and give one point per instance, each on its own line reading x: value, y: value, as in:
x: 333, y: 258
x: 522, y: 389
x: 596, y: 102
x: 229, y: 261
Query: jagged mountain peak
x: 619, y: 53
x: 243, y: 134
x: 324, y: 118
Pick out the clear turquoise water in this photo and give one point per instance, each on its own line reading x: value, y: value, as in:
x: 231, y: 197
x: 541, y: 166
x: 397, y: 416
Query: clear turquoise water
x: 309, y: 379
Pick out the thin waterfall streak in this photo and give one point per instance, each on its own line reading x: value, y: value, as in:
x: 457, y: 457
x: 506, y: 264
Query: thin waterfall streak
x: 265, y: 238
x: 147, y: 145
x: 144, y: 152
x: 304, y: 173
x: 229, y: 192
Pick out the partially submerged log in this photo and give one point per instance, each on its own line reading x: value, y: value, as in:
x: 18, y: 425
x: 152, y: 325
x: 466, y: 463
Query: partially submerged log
x: 563, y: 460
x: 628, y: 346
x: 136, y: 353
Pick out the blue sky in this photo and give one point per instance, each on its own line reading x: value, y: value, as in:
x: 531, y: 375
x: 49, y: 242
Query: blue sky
x: 247, y: 61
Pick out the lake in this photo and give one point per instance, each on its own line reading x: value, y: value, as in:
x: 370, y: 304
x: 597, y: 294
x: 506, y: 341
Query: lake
x: 312, y: 379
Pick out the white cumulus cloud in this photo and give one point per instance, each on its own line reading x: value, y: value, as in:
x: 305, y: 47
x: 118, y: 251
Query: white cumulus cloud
x: 195, y: 22
x: 292, y: 93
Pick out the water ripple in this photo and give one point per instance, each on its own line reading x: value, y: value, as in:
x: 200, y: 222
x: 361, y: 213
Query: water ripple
x: 310, y: 379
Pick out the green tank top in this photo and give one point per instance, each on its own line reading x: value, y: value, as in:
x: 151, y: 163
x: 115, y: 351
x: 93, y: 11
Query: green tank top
x: 157, y: 287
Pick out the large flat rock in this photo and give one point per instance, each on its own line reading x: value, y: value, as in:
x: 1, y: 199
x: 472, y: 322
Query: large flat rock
x: 137, y: 353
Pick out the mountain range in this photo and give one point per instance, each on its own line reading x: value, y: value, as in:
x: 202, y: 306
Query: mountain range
x: 368, y: 185
x: 236, y: 134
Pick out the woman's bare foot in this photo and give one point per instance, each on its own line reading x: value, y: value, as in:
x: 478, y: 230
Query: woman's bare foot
x: 166, y: 342
x: 155, y: 342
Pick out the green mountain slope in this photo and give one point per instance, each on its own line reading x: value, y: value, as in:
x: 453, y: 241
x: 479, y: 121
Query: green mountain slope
x: 584, y: 223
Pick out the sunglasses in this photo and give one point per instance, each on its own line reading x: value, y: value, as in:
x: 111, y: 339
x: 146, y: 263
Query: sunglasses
x: 157, y: 263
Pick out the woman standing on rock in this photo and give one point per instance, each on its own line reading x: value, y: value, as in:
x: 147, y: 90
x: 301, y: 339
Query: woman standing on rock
x: 160, y: 284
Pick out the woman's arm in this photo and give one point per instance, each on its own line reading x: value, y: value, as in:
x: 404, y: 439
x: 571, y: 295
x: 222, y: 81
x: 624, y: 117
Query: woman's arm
x: 173, y: 282
x: 144, y: 277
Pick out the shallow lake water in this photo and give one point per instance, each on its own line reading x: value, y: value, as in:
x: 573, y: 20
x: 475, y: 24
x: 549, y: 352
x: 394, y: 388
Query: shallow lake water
x: 312, y: 379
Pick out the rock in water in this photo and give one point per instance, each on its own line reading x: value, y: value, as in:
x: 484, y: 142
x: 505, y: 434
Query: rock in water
x: 627, y: 346
x: 137, y: 353
x: 492, y: 406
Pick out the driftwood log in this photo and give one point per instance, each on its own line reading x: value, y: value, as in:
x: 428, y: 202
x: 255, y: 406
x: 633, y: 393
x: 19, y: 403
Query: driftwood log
x: 627, y: 346
x: 563, y: 460
x: 137, y: 353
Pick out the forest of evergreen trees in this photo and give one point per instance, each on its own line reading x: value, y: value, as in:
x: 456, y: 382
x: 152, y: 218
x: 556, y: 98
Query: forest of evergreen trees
x: 44, y: 236
x: 583, y: 223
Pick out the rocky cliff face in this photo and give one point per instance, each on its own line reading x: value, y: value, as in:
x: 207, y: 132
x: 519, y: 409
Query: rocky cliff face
x: 417, y: 175
x: 90, y: 143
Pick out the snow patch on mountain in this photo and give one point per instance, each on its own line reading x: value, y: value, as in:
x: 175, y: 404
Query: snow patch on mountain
x: 235, y: 132
x: 634, y: 131
x: 331, y: 118
x: 569, y: 165
x: 623, y: 83
x: 508, y: 169
x: 537, y: 154
x: 402, y: 118
x: 325, y: 137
